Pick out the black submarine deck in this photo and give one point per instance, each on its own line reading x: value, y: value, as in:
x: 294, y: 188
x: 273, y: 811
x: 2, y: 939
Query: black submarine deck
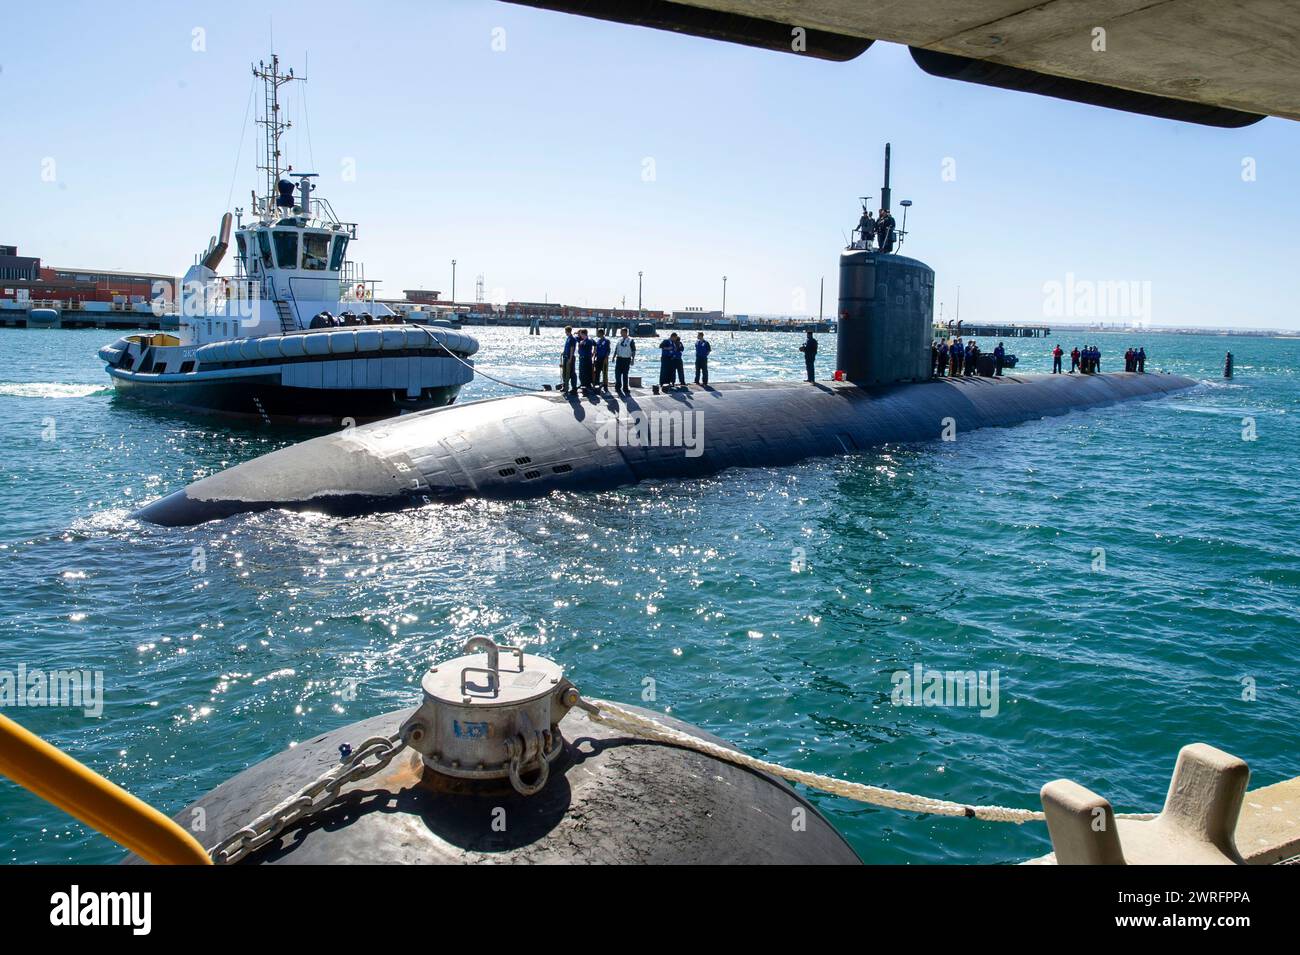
x: 531, y: 444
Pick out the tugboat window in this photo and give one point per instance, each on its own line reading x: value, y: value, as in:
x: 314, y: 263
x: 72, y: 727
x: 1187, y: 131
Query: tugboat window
x: 336, y: 255
x: 264, y: 244
x: 315, y: 247
x: 286, y: 248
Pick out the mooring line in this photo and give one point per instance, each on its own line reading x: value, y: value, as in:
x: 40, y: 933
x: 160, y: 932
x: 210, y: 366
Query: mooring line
x: 619, y: 717
x: 475, y: 368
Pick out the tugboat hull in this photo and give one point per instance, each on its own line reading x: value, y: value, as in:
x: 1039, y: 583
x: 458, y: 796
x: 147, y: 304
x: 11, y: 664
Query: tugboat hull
x: 348, y: 376
x: 266, y: 401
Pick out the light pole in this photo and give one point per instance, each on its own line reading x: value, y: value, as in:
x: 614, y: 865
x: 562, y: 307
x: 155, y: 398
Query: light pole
x: 640, y: 313
x: 453, y: 281
x: 724, y: 296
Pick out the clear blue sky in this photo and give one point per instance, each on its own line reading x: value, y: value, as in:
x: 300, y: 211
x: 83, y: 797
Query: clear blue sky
x: 527, y: 164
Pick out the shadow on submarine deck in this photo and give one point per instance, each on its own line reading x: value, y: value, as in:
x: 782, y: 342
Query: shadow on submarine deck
x: 614, y: 401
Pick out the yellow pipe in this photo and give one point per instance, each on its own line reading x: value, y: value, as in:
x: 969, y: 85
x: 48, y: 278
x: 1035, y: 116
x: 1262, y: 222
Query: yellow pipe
x: 81, y: 792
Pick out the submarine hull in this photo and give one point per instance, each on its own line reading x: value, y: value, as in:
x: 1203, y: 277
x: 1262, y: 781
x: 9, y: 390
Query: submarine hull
x: 611, y: 798
x: 530, y: 445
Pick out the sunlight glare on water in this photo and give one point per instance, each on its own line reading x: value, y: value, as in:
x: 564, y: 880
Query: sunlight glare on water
x: 769, y: 606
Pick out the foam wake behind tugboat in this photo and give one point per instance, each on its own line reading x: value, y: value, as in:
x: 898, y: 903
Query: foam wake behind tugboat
x: 530, y: 445
x: 291, y: 337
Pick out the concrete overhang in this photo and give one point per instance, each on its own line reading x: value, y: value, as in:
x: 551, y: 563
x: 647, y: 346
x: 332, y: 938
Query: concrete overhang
x: 1204, y: 61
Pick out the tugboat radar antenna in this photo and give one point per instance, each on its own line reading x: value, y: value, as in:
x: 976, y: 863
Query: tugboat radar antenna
x: 272, y: 79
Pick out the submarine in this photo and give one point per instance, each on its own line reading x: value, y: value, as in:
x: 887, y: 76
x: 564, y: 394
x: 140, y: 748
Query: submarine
x: 532, y: 444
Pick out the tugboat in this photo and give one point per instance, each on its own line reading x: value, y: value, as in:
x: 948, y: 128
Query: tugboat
x: 292, y: 337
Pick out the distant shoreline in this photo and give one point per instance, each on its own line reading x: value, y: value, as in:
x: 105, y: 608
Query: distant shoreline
x: 1174, y: 330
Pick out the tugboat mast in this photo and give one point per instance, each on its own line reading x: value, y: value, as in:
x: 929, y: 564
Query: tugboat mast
x: 272, y: 79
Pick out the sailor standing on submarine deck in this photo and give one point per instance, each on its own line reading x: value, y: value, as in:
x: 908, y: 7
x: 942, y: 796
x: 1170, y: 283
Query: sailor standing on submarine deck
x: 702, y: 349
x: 586, y: 355
x: 568, y: 378
x: 809, y: 349
x: 624, y: 355
x: 600, y: 377
x: 667, y: 359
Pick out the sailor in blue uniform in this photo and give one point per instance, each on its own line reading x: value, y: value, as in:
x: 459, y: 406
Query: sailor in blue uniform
x: 600, y: 376
x: 702, y: 349
x: 568, y: 380
x: 999, y: 360
x: 679, y: 369
x: 586, y: 354
x: 667, y: 359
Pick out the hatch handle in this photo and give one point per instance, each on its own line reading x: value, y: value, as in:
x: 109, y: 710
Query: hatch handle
x: 493, y: 668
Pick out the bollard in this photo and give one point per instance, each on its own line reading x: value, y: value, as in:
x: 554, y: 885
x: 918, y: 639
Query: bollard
x: 1195, y: 827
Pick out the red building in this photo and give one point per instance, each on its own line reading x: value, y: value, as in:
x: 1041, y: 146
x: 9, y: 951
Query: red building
x: 102, y: 285
x: 20, y: 274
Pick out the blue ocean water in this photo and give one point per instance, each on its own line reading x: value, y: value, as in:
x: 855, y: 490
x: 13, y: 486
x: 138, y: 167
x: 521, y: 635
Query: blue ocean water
x: 769, y: 606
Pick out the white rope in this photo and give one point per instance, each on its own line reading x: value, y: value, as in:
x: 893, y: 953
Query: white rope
x: 474, y: 368
x: 619, y: 717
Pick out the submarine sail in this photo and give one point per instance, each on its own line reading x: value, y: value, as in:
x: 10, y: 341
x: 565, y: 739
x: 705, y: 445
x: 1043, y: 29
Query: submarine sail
x: 886, y: 310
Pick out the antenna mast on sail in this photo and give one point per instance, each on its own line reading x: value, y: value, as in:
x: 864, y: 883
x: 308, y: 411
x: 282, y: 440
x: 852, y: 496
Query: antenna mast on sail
x: 272, y: 79
x: 885, y: 193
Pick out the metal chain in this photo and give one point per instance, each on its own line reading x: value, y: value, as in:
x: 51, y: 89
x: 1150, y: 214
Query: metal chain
x: 382, y: 750
x: 304, y: 803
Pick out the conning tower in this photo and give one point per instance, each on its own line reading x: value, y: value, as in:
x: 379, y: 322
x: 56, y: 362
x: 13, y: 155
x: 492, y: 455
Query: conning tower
x: 886, y: 311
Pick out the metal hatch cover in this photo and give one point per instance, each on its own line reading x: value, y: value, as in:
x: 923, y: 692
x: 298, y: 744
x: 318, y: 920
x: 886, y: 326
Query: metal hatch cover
x: 479, y: 680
